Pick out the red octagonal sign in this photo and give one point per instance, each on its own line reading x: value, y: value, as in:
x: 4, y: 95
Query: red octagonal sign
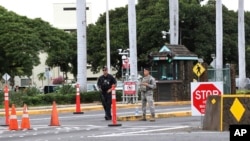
x: 200, y: 96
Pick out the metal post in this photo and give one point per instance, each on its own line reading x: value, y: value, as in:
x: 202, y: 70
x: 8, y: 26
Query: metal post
x: 107, y: 35
x: 81, y: 45
x: 241, y: 45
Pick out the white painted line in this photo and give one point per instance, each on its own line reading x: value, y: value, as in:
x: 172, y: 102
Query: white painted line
x: 138, y: 132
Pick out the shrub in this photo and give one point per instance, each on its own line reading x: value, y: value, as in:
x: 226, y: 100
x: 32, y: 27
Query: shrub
x: 31, y: 91
x: 16, y: 98
x: 19, y: 98
x: 67, y: 89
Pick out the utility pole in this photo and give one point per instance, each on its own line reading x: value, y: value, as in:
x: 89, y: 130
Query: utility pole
x: 81, y: 45
x: 219, y: 36
x: 107, y: 35
x: 132, y: 38
x: 241, y: 45
x: 174, y: 21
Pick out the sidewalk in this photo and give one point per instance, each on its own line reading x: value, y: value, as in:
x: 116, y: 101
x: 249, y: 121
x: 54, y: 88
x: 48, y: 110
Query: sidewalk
x: 98, y: 106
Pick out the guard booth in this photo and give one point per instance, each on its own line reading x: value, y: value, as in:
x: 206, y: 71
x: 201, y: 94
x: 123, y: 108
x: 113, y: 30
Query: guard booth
x: 173, y: 70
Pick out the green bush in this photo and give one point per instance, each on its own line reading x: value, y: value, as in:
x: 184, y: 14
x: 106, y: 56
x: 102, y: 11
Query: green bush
x: 16, y: 98
x: 31, y: 91
x: 2, y: 97
x: 242, y: 91
x: 67, y: 89
x: 32, y: 99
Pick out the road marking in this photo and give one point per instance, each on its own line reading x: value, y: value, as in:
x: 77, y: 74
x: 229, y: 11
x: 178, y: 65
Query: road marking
x: 139, y: 132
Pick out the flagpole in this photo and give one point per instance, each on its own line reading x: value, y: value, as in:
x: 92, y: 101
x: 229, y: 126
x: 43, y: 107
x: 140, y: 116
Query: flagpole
x: 107, y: 35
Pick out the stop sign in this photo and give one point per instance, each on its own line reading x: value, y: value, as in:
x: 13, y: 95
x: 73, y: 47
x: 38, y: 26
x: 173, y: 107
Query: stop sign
x: 201, y: 93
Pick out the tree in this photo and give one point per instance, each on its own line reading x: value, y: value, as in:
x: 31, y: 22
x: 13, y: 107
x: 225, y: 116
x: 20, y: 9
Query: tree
x: 19, y: 45
x: 22, y: 39
x: 41, y: 77
x: 197, y: 24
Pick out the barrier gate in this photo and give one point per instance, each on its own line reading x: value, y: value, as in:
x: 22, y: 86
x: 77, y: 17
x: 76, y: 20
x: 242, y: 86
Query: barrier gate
x: 130, y: 93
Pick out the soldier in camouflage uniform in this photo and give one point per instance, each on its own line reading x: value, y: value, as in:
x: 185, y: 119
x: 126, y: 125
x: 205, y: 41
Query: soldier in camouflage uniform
x: 146, y: 87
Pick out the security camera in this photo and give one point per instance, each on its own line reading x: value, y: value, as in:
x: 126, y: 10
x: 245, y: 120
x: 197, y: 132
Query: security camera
x: 163, y: 32
x: 119, y: 50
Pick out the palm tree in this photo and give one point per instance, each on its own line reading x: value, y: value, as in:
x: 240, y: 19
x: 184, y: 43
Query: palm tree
x: 41, y: 76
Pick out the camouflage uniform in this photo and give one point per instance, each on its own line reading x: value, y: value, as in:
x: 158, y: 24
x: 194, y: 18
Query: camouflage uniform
x: 147, y: 96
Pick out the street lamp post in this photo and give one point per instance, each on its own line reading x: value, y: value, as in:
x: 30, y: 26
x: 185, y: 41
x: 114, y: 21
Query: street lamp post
x: 125, y: 63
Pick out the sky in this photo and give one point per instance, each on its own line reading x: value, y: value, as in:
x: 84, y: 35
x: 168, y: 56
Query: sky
x: 44, y: 8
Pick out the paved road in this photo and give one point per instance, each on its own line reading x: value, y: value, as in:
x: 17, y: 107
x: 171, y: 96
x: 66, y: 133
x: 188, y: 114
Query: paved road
x: 91, y: 126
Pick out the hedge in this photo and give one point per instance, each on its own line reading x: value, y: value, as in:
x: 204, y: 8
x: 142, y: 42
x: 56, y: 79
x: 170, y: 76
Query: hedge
x: 19, y: 98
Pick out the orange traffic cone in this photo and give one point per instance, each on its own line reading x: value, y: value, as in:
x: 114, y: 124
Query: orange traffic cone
x: 13, y: 125
x: 54, y: 121
x: 25, y: 124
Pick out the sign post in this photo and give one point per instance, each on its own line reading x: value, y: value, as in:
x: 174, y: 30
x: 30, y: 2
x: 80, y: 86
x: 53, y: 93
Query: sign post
x: 130, y: 91
x: 199, y: 93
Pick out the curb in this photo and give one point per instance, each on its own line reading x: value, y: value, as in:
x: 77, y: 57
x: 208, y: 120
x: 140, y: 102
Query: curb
x: 70, y: 108
x: 159, y: 115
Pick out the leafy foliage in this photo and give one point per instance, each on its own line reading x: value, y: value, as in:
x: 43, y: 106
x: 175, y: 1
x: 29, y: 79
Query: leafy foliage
x: 19, y: 99
x: 22, y: 39
x: 197, y: 32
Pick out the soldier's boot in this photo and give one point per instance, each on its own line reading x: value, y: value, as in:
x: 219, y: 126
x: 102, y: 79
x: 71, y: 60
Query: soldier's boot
x: 152, y: 119
x: 144, y: 117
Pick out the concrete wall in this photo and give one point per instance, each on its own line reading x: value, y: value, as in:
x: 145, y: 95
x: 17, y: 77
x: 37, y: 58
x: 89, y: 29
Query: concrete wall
x: 226, y: 110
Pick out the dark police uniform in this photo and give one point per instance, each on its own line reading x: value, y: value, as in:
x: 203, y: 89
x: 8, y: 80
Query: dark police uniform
x: 105, y: 83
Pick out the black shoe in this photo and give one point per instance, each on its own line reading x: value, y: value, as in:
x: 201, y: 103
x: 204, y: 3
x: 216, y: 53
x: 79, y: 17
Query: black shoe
x: 107, y: 118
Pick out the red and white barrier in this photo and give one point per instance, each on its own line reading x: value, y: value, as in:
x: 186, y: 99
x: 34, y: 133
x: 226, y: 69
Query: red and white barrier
x: 114, y: 120
x: 78, y: 101
x: 6, y: 104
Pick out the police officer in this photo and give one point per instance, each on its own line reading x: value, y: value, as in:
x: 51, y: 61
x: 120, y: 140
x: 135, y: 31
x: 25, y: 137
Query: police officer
x: 146, y: 87
x: 104, y: 84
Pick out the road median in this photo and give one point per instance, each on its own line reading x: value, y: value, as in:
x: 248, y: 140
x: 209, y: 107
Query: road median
x: 157, y: 115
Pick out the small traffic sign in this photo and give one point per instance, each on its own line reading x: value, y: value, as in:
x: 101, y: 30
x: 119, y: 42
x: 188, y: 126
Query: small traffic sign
x: 6, y: 77
x: 129, y: 88
x: 199, y: 93
x: 198, y: 69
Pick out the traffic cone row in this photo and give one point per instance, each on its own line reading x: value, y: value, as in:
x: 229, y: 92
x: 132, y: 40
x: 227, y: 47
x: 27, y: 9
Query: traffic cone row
x: 25, y: 123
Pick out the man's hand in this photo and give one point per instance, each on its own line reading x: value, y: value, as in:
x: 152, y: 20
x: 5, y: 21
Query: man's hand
x: 109, y: 90
x: 144, y: 84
